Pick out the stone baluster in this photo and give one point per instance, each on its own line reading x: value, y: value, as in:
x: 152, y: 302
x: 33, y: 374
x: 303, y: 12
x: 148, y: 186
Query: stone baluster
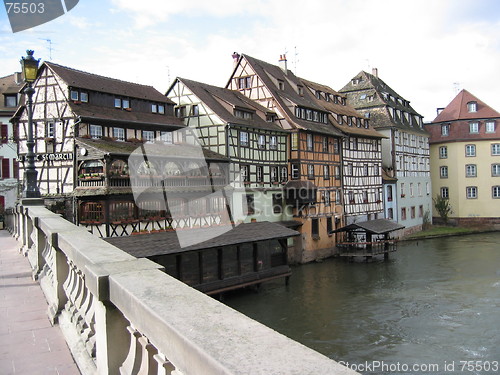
x: 132, y: 363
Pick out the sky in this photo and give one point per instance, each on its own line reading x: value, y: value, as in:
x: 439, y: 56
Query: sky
x: 426, y: 50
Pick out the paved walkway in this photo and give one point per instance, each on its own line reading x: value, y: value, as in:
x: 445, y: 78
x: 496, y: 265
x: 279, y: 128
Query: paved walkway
x: 28, y: 343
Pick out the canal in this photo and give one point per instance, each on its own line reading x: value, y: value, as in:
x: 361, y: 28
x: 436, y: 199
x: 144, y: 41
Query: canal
x: 436, y: 303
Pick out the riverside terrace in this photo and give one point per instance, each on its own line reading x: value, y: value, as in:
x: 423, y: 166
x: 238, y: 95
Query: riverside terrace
x: 123, y: 315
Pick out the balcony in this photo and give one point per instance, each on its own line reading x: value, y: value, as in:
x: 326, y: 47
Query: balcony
x: 123, y: 315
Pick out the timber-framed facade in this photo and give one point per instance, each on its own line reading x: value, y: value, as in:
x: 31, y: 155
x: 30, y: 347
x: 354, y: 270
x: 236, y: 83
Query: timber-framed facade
x: 231, y: 124
x: 314, y: 188
x: 405, y: 150
x: 86, y: 127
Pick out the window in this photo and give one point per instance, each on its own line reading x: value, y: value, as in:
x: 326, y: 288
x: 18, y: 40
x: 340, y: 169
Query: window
x: 472, y: 106
x: 470, y: 170
x: 309, y: 140
x: 243, y: 139
x: 325, y: 144
x: 315, y: 228
x: 148, y: 136
x: 277, y: 203
x: 274, y: 174
x: 119, y: 134
x: 336, y: 146
x: 50, y: 129
x: 118, y: 103
x: 195, y: 110
x: 327, y: 198
x: 326, y: 172
x: 365, y: 196
x: 284, y: 174
x: 402, y: 189
x: 403, y: 213
x: 84, y: 97
x: 495, y: 191
x: 471, y: 192
x: 310, y: 171
x: 180, y: 112
x: 337, y: 172
x: 329, y: 225
x: 11, y: 101
x: 350, y: 169
x: 445, y: 193
x: 154, y: 108
x: 474, y: 127
x: 445, y: 130
x: 389, y: 193
x: 495, y: 170
x: 281, y: 85
x: 166, y: 137
x: 300, y: 89
x: 95, y: 131
x: 490, y: 127
x: 248, y: 202
x: 412, y: 212
x: 495, y: 149
x: 421, y: 211
x: 91, y: 212
x: 427, y: 188
x: 351, y: 197
x: 443, y: 172
x: 419, y: 189
x: 295, y: 171
x: 73, y: 95
x: 470, y: 150
x: 262, y: 142
x: 4, y: 133
x: 125, y: 103
x: 390, y: 213
x: 161, y: 109
x: 411, y: 189
x: 245, y: 82
x: 245, y: 173
x: 273, y: 142
x: 295, y: 141
x: 365, y: 169
x: 260, y: 173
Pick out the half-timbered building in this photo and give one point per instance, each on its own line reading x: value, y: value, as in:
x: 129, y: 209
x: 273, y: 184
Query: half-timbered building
x: 86, y: 129
x: 405, y: 150
x: 233, y: 125
x: 313, y: 190
x: 361, y: 155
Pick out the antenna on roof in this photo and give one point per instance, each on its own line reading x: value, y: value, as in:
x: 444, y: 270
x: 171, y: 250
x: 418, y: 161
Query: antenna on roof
x: 50, y: 47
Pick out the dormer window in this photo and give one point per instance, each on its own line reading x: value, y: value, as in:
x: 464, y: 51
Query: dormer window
x: 362, y: 97
x: 270, y: 117
x: 74, y: 95
x: 318, y: 94
x: 243, y: 114
x: 79, y: 96
x: 10, y: 101
x: 472, y: 107
x: 281, y: 85
x: 118, y: 103
x: 84, y: 97
x: 300, y: 89
x: 125, y: 103
x: 327, y: 96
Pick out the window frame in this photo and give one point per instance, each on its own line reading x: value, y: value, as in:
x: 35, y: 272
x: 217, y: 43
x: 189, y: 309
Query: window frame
x: 92, y: 131
x: 471, y: 192
x: 470, y: 170
x: 468, y: 149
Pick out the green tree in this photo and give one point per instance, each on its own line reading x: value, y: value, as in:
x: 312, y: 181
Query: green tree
x: 443, y: 207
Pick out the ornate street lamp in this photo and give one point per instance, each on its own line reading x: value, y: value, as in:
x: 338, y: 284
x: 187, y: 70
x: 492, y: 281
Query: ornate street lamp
x: 30, y: 69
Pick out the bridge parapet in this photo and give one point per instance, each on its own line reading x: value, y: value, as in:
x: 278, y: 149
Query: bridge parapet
x: 123, y: 315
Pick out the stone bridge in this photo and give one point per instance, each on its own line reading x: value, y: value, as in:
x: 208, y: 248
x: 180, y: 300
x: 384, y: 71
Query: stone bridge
x: 123, y: 315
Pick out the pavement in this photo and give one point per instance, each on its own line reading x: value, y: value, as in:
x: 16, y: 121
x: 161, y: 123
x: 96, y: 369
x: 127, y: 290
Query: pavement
x: 29, y: 344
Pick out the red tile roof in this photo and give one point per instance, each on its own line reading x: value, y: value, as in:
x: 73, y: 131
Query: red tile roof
x: 457, y: 109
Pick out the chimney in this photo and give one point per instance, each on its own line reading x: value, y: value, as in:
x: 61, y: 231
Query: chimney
x: 236, y: 58
x: 439, y: 110
x: 375, y: 72
x: 18, y: 78
x: 282, y: 63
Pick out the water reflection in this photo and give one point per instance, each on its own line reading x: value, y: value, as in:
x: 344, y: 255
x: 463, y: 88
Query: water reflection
x: 433, y: 301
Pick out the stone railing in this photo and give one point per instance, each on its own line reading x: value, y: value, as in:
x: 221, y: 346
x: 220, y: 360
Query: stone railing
x: 123, y: 315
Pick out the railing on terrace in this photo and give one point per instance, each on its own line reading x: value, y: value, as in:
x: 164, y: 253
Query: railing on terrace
x: 154, y: 181
x: 123, y: 315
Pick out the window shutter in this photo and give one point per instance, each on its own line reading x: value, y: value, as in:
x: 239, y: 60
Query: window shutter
x: 16, y: 169
x: 5, y: 133
x: 5, y: 168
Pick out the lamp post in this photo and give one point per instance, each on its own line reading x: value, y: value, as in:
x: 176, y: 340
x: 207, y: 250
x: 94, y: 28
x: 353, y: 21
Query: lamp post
x: 30, y: 68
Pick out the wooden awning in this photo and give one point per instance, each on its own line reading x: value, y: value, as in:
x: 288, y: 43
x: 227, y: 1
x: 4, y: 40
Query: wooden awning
x: 377, y: 226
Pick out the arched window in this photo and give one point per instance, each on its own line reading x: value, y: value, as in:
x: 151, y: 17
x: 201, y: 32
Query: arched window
x: 171, y: 169
x: 193, y: 169
x: 118, y: 168
x: 146, y: 167
x: 91, y: 167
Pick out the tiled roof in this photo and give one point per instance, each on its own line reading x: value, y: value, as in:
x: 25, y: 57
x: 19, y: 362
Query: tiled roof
x: 93, y: 82
x: 383, y: 97
x: 102, y: 115
x: 288, y: 98
x: 212, y: 97
x: 147, y: 245
x: 152, y: 149
x: 457, y: 109
x: 8, y: 86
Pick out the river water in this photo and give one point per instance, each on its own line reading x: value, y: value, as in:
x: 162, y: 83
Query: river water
x: 434, y: 305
